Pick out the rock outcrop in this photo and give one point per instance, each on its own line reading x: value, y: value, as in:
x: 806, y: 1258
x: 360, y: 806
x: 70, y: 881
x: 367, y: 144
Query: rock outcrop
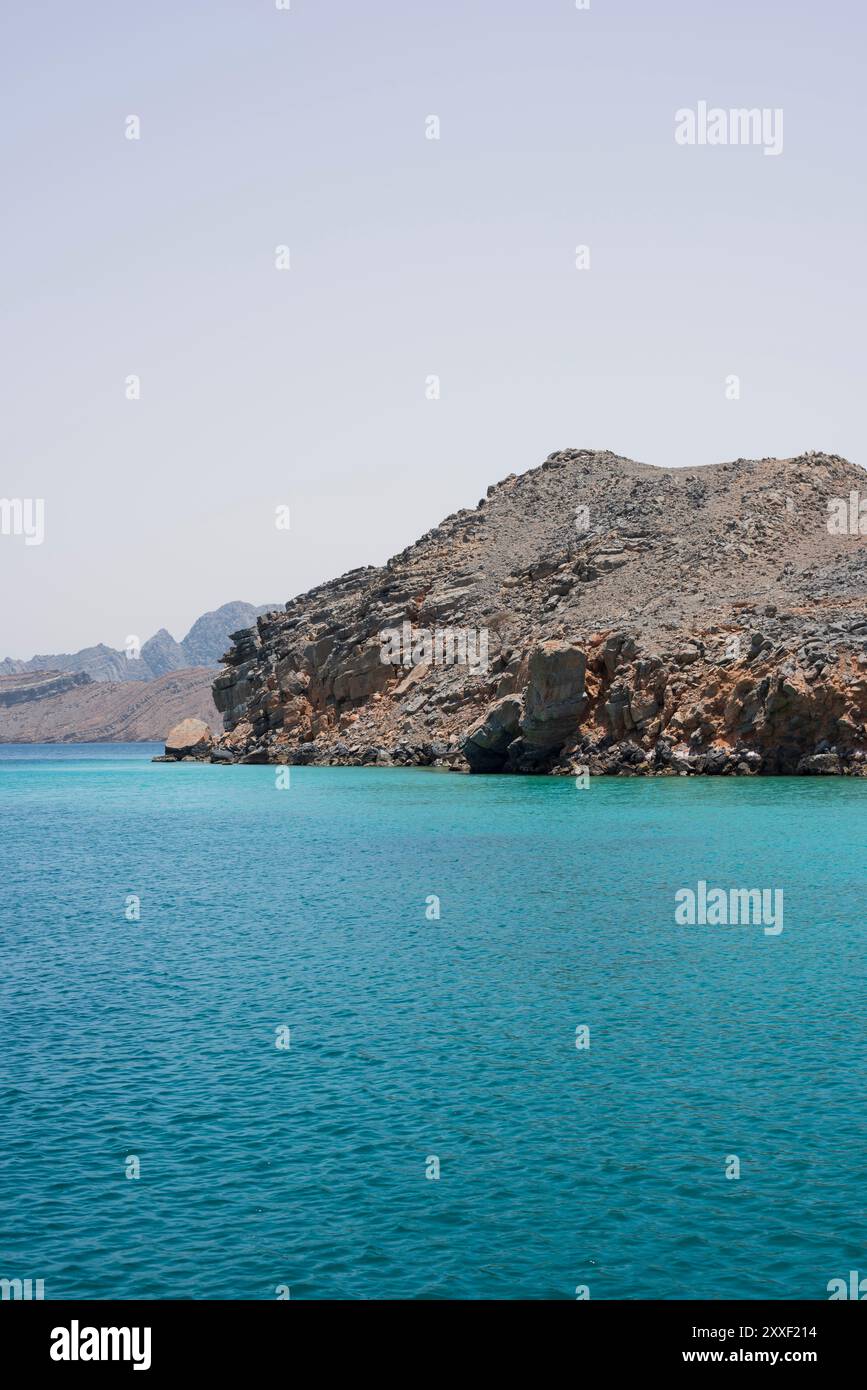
x: 486, y: 746
x: 554, y: 699
x: 592, y: 613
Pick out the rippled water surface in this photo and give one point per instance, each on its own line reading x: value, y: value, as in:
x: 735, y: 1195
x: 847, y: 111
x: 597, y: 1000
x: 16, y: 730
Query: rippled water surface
x: 412, y: 1038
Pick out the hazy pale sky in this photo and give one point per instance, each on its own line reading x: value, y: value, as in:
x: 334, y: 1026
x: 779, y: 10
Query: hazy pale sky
x: 410, y: 257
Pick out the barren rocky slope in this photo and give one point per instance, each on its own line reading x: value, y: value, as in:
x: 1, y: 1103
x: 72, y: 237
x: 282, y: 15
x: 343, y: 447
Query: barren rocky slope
x: 38, y: 685
x: 63, y: 708
x: 638, y: 620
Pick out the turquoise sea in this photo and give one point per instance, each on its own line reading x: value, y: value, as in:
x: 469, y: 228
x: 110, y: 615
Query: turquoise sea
x: 413, y: 1038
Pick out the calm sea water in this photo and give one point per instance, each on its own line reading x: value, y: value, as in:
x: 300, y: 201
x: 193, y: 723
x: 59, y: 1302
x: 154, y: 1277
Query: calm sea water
x: 412, y: 1038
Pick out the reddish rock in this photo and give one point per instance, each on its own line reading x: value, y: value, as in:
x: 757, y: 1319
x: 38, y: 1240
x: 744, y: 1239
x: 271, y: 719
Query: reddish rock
x: 190, y: 739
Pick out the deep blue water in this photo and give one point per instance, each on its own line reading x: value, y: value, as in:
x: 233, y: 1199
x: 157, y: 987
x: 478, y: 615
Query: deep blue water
x: 413, y: 1038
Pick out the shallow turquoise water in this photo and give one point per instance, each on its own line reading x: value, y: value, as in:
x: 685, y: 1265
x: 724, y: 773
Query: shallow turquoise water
x: 411, y: 1037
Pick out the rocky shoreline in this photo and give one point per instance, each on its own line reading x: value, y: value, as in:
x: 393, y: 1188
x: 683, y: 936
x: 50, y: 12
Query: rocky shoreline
x: 592, y: 616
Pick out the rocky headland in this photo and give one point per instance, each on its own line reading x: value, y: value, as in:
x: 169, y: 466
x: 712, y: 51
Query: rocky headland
x: 591, y: 614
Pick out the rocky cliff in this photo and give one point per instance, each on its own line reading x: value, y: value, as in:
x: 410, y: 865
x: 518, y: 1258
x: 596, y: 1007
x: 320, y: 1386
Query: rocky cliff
x: 592, y: 613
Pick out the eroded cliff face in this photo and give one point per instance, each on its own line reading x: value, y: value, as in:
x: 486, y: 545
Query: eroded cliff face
x: 592, y: 613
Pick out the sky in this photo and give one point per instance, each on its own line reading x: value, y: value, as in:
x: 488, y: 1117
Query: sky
x: 410, y: 258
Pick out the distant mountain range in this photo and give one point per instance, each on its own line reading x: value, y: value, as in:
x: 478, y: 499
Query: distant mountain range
x: 203, y: 645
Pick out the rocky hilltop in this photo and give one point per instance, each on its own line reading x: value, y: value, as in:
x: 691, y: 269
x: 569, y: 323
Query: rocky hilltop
x: 593, y: 613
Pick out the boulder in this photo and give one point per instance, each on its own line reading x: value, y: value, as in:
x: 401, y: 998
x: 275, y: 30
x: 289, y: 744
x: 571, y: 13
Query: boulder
x: 819, y: 765
x: 191, y: 738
